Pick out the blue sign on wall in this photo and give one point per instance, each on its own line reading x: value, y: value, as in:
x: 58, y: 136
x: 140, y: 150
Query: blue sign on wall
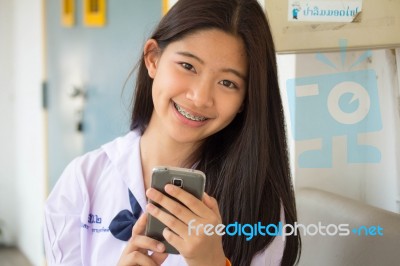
x: 330, y: 105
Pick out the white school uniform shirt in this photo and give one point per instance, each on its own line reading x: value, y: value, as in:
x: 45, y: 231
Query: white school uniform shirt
x: 92, y: 190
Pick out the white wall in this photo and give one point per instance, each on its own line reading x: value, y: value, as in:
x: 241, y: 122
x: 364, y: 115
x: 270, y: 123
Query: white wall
x: 29, y: 130
x: 398, y: 137
x: 22, y: 121
x: 7, y: 140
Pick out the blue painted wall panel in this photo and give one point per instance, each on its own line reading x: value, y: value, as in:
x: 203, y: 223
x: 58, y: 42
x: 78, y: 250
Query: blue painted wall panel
x: 98, y: 60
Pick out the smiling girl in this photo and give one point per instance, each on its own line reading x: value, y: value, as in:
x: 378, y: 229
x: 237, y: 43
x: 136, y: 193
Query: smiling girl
x: 207, y: 97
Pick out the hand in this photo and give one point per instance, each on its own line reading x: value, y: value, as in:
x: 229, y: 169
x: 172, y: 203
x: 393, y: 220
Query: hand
x: 197, y: 248
x: 135, y: 252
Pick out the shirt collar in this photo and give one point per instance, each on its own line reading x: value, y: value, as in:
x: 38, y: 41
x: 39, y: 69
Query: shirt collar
x: 124, y: 153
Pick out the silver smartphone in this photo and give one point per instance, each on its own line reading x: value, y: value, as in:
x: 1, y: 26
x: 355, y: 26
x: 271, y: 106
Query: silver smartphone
x: 190, y: 180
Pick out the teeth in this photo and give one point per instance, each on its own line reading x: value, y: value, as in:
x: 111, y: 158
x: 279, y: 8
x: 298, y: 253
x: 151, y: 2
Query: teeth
x: 188, y: 115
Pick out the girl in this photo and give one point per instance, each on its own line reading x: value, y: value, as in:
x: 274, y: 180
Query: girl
x: 207, y: 97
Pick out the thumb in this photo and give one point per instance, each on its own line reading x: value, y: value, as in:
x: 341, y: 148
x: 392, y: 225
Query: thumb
x: 159, y: 258
x: 140, y: 225
x: 137, y: 229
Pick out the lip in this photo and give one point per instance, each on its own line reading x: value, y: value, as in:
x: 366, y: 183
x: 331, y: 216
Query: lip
x: 187, y: 121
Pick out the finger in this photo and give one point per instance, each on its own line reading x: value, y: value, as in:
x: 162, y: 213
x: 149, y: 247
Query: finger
x: 159, y: 258
x: 137, y: 258
x: 193, y: 203
x: 168, y: 220
x: 139, y: 242
x: 147, y: 243
x: 178, y: 210
x: 211, y: 203
x: 173, y: 239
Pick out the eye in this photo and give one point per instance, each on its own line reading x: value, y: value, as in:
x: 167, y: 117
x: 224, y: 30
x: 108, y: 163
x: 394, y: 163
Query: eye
x: 188, y: 67
x: 228, y: 84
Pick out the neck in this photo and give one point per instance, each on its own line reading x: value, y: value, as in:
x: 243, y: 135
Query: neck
x: 158, y: 148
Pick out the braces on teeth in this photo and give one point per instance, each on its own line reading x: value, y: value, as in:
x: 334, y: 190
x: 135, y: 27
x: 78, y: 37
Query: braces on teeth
x: 188, y: 115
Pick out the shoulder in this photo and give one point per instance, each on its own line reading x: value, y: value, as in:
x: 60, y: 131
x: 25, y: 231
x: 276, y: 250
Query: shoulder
x: 86, y: 171
x: 94, y: 171
x: 93, y: 163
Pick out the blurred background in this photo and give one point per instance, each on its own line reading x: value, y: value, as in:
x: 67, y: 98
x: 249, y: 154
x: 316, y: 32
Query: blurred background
x: 64, y: 90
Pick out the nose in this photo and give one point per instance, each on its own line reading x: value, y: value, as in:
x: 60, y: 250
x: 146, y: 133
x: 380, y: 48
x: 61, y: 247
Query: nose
x: 201, y: 94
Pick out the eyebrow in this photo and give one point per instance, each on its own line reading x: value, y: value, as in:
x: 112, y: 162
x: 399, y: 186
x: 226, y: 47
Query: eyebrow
x: 187, y: 54
x: 226, y: 70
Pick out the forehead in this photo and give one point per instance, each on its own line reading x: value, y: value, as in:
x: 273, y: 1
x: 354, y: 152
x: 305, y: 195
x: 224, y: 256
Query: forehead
x: 214, y: 47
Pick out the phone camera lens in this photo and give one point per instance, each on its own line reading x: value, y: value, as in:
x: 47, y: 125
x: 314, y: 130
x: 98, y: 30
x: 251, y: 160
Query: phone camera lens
x: 177, y: 182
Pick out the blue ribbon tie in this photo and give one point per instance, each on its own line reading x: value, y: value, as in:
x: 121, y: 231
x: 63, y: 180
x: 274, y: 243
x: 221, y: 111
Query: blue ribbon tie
x: 122, y: 224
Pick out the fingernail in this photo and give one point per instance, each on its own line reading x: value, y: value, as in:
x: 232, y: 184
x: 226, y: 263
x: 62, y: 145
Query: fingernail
x: 150, y: 192
x: 169, y: 188
x: 150, y: 207
x: 160, y: 247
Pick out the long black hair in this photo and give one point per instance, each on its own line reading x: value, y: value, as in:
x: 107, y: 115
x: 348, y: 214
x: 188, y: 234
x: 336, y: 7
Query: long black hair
x: 246, y: 163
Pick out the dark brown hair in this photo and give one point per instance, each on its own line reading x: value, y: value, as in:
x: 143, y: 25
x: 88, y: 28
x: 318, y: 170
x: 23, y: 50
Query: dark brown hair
x: 246, y: 163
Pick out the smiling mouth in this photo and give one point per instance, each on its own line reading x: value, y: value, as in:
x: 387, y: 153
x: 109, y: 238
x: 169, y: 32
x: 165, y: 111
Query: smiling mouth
x: 189, y: 115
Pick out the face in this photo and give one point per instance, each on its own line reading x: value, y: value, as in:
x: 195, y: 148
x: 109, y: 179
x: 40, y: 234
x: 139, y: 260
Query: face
x: 199, y: 84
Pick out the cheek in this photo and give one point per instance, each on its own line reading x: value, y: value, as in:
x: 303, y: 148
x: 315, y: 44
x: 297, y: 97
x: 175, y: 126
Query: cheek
x: 168, y: 83
x: 230, y: 108
x: 161, y: 87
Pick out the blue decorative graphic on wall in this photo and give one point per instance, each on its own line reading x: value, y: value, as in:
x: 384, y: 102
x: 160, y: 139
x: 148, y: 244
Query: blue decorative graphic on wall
x: 338, y: 104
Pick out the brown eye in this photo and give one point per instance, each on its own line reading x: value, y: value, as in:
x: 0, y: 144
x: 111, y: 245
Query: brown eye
x: 188, y: 67
x: 228, y: 84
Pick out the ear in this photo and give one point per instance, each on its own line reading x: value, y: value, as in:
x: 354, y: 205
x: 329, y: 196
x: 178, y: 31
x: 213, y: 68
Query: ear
x: 151, y: 55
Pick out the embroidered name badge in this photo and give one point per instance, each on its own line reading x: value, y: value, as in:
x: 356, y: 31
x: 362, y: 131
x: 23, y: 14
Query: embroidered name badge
x: 94, y: 219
